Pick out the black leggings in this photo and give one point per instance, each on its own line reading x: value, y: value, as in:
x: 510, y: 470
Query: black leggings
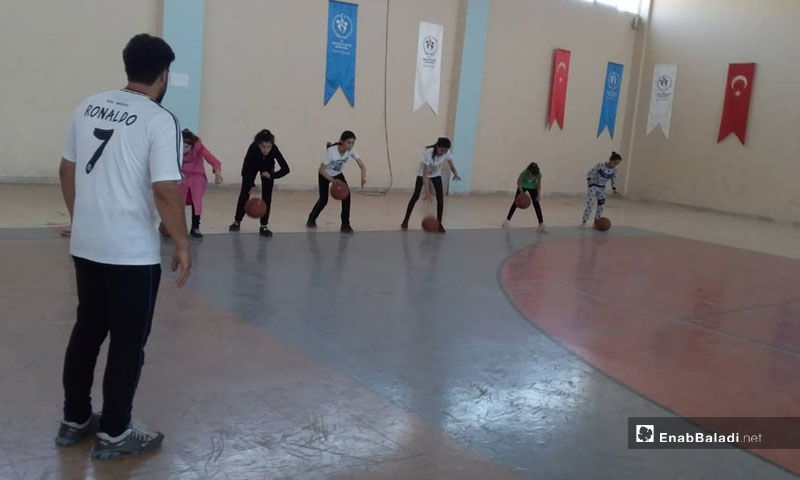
x: 324, y: 186
x: 244, y: 195
x: 536, y: 206
x: 115, y: 301
x: 195, y: 219
x: 437, y: 185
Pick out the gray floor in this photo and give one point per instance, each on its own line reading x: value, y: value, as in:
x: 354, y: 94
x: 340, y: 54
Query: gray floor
x: 421, y: 320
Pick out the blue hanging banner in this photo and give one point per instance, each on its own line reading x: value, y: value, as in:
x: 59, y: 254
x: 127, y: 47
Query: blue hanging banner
x: 340, y: 70
x: 611, y: 89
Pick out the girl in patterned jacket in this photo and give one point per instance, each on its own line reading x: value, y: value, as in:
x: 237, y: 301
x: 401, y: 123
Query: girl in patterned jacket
x: 597, y: 178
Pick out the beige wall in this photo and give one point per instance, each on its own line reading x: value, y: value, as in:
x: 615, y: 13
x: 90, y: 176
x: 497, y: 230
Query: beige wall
x: 264, y: 64
x: 516, y: 91
x: 264, y: 67
x: 760, y: 178
x: 53, y: 54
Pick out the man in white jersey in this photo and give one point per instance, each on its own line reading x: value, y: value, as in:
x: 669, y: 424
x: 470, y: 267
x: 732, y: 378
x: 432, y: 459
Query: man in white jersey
x: 119, y: 174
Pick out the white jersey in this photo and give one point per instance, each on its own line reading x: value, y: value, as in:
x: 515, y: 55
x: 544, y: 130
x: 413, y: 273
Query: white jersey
x: 334, y: 161
x: 434, y: 164
x: 121, y: 143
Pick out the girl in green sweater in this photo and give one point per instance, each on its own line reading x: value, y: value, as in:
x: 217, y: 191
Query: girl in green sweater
x: 530, y: 182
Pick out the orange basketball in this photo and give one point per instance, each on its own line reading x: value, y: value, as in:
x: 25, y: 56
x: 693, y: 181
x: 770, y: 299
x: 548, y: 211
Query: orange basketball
x: 602, y: 224
x: 339, y: 190
x: 523, y: 200
x: 255, y: 207
x: 430, y: 224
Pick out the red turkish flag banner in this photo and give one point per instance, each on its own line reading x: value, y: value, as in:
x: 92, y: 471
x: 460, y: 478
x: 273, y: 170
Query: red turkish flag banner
x: 737, y: 100
x: 558, y: 92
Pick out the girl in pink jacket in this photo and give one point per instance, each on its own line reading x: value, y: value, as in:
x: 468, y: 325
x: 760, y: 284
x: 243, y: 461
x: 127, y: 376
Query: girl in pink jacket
x: 194, y: 176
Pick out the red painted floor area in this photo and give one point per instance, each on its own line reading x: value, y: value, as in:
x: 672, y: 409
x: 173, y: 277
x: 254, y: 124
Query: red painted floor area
x: 701, y: 329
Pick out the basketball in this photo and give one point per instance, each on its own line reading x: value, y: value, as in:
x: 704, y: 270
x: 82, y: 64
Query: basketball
x: 339, y: 190
x: 255, y: 208
x: 602, y: 224
x: 523, y: 200
x: 430, y: 224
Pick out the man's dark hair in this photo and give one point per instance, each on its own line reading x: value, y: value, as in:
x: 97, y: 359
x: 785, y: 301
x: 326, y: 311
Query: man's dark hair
x: 145, y: 57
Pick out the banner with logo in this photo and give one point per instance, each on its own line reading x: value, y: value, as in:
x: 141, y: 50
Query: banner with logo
x: 558, y: 89
x: 429, y: 66
x: 611, y: 90
x: 663, y: 92
x: 340, y: 70
x: 737, y: 100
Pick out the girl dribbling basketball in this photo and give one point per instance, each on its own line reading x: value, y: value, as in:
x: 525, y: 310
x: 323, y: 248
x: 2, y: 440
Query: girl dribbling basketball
x: 430, y: 172
x: 260, y: 159
x: 529, y: 182
x: 597, y: 178
x: 336, y: 157
x: 194, y: 182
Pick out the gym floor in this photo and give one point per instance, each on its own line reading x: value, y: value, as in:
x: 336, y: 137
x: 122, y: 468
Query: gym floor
x: 485, y: 353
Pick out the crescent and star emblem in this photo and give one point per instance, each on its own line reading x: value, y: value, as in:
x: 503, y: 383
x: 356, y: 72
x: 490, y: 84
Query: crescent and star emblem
x: 735, y: 81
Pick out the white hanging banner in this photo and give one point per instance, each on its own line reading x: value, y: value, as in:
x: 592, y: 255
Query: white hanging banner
x: 429, y: 66
x: 664, y: 77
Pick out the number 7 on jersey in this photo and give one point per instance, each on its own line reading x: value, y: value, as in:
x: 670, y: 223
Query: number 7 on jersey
x: 105, y: 136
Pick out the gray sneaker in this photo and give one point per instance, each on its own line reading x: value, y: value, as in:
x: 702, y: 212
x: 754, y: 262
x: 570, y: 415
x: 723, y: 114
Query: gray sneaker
x: 70, y: 433
x: 136, y: 439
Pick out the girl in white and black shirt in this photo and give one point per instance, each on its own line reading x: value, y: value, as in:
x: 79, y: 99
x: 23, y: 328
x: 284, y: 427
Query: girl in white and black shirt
x: 331, y: 169
x: 430, y: 171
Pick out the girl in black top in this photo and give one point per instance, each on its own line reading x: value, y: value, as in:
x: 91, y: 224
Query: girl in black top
x: 260, y: 158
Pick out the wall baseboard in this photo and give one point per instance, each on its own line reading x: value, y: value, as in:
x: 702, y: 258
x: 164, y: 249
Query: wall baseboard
x: 727, y: 213
x: 6, y: 179
x: 11, y: 180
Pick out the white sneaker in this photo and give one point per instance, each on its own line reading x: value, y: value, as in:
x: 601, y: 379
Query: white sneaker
x: 542, y: 228
x: 506, y: 223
